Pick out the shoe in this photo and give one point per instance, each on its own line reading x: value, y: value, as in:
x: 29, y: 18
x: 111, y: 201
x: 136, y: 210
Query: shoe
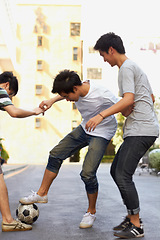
x: 33, y: 198
x: 124, y: 224
x: 16, y: 225
x: 87, y: 220
x: 131, y: 231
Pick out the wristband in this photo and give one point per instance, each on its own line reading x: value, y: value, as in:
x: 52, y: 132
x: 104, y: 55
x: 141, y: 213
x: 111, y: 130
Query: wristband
x: 101, y: 116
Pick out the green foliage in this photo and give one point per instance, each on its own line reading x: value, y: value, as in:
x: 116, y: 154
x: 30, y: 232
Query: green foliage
x: 118, y: 137
x: 4, y: 153
x: 107, y: 159
x: 154, y: 159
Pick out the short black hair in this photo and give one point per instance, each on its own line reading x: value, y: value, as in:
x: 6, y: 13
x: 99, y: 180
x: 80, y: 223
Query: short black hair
x: 110, y: 40
x: 65, y: 81
x: 13, y: 82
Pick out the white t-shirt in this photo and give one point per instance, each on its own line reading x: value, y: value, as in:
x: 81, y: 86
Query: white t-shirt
x: 98, y: 99
x: 143, y: 120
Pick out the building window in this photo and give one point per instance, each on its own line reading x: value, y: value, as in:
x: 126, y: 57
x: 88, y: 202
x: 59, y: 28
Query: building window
x: 39, y: 65
x: 75, y: 54
x: 75, y: 29
x: 38, y: 89
x: 39, y: 41
x: 94, y: 73
x: 37, y: 122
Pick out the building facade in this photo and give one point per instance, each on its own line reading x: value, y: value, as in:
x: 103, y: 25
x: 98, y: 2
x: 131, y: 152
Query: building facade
x: 48, y: 40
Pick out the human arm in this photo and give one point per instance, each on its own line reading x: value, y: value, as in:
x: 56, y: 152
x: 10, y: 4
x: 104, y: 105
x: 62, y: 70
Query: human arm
x: 46, y: 104
x: 126, y: 101
x: 153, y: 98
x: 127, y: 111
x: 21, y: 113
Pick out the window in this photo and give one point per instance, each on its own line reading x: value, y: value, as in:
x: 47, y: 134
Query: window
x: 37, y: 122
x: 75, y: 54
x: 38, y: 89
x: 39, y: 41
x: 94, y: 73
x: 39, y: 65
x: 75, y: 29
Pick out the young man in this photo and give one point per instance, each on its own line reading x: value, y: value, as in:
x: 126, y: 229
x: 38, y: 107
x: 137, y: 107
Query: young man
x: 90, y: 100
x: 8, y: 89
x: 140, y: 129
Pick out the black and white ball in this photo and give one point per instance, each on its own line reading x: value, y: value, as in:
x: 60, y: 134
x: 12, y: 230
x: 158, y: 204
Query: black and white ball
x: 27, y: 213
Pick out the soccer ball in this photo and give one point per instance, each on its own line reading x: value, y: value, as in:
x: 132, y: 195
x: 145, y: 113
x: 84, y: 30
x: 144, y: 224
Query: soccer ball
x: 27, y: 213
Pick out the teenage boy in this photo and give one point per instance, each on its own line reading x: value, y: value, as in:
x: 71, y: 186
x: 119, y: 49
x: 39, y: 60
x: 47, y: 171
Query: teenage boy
x: 8, y: 89
x: 90, y: 100
x: 140, y: 129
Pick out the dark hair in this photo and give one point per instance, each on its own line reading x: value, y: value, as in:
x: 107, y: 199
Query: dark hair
x: 65, y: 81
x: 110, y: 40
x: 13, y: 82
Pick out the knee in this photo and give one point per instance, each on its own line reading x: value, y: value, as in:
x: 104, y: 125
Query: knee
x: 90, y: 181
x: 112, y: 173
x: 86, y: 176
x: 54, y: 164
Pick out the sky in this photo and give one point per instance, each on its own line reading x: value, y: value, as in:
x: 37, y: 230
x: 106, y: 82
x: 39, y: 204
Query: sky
x: 134, y: 21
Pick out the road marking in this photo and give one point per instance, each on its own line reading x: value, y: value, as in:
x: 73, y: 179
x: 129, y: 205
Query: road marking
x: 15, y: 173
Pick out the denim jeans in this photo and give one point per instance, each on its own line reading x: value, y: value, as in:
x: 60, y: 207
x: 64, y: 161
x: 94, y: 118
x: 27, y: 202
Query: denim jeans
x: 74, y: 141
x: 124, y: 165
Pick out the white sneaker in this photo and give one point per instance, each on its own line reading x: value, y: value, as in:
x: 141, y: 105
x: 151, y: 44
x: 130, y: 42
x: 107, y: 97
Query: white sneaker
x: 34, y: 198
x: 87, y: 220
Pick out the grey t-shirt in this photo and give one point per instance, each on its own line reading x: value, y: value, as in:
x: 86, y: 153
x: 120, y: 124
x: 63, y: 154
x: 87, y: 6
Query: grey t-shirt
x: 143, y: 120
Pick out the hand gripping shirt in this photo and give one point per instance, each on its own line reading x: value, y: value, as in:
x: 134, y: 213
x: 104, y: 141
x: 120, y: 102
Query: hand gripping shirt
x: 98, y: 99
x: 143, y: 120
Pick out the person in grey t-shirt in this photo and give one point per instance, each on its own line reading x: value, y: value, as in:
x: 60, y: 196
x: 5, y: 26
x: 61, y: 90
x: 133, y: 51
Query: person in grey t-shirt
x: 140, y: 129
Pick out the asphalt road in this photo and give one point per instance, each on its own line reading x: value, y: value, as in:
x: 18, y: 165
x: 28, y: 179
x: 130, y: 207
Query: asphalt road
x: 59, y: 219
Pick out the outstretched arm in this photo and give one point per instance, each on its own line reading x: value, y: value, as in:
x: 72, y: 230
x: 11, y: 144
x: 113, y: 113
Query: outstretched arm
x: 126, y: 101
x: 46, y: 104
x: 21, y: 113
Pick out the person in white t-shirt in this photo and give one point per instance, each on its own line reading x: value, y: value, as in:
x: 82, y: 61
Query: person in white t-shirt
x: 90, y: 100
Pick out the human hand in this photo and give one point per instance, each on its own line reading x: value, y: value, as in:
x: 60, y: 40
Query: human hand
x: 38, y: 111
x: 93, y: 122
x: 46, y: 104
x: 126, y: 112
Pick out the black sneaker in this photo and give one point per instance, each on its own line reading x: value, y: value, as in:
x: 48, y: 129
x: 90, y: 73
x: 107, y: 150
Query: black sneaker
x: 131, y: 231
x: 122, y: 225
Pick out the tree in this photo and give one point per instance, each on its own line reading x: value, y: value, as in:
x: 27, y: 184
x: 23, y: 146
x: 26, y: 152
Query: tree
x: 3, y: 153
x: 118, y: 137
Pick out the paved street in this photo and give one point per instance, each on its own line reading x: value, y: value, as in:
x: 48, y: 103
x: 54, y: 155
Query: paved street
x: 60, y: 218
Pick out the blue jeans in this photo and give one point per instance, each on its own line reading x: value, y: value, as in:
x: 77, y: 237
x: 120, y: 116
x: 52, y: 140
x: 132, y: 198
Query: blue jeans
x: 74, y: 141
x: 124, y: 165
